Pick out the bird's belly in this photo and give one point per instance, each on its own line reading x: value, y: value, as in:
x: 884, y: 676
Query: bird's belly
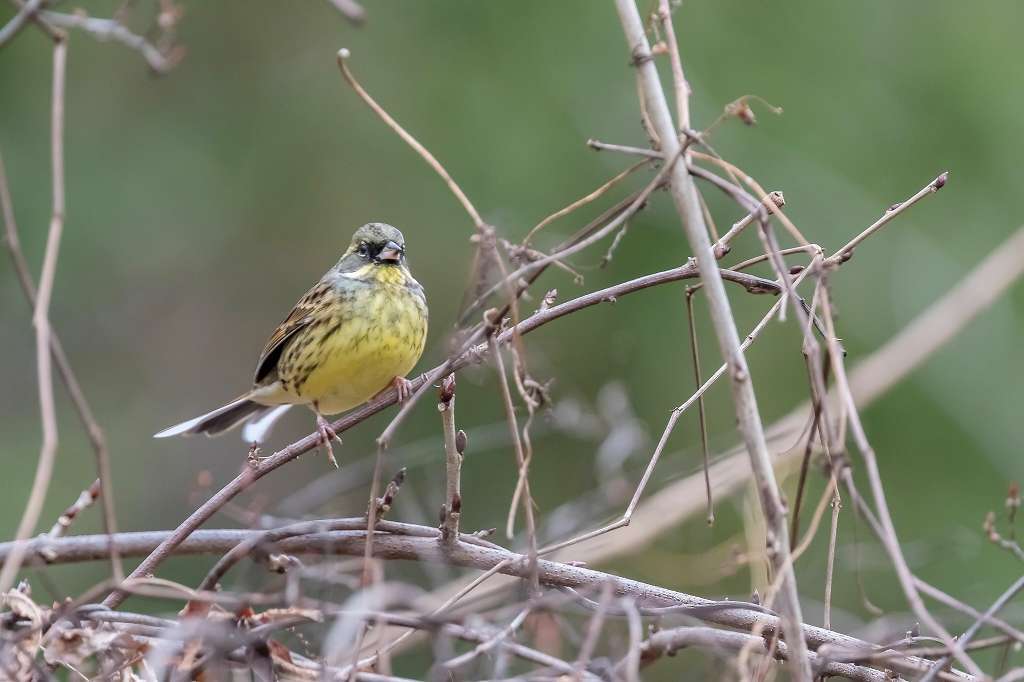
x: 362, y: 357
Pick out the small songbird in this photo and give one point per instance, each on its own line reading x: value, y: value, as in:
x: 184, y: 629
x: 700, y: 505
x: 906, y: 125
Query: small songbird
x: 357, y: 332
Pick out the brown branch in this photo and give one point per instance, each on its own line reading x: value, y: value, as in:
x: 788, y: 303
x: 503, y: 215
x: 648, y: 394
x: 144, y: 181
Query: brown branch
x: 112, y: 29
x: 454, y: 446
x: 40, y: 319
x: 668, y: 642
x: 25, y: 12
x: 684, y: 195
x: 343, y: 55
x: 846, y: 252
x: 420, y: 543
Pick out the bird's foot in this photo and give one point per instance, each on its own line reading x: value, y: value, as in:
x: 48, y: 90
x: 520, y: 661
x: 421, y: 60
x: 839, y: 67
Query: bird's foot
x: 404, y: 388
x: 327, y: 434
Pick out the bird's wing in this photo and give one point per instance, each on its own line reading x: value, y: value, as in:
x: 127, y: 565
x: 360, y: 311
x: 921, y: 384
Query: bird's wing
x: 301, y: 315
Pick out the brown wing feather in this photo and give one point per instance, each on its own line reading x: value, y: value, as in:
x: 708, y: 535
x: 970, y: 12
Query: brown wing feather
x: 300, y: 316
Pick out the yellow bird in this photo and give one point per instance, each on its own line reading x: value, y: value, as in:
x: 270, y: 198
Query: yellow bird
x: 358, y: 331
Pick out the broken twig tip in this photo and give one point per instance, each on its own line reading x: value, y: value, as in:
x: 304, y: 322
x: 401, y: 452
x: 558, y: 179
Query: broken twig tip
x: 940, y: 181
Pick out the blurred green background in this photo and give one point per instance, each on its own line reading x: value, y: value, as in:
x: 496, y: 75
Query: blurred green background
x: 201, y: 204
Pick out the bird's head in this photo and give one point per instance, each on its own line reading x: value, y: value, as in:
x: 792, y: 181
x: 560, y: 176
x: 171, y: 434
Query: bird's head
x: 375, y: 247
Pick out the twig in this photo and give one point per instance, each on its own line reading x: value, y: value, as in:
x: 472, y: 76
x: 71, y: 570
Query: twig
x: 85, y: 500
x: 635, y: 151
x: 40, y: 319
x: 846, y: 252
x: 17, y: 22
x: 684, y: 194
x: 343, y: 55
x: 594, y: 628
x: 722, y: 246
x: 667, y: 642
x: 111, y: 29
x: 583, y: 201
x: 965, y: 639
x: 701, y: 417
x: 626, y: 517
x: 602, y: 227
x: 740, y: 176
x: 494, y: 640
x: 888, y: 535
x: 681, y: 87
x: 523, y: 482
x: 92, y: 428
x: 452, y: 506
x: 630, y: 666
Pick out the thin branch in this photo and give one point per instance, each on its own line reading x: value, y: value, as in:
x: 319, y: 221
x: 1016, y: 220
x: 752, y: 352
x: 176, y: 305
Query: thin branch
x: 93, y: 431
x: 668, y: 642
x: 888, y: 535
x: 583, y: 201
x: 701, y: 417
x: 40, y: 319
x: 452, y: 506
x: 681, y: 87
x: 112, y: 29
x: 722, y: 246
x: 343, y: 56
x: 965, y: 639
x: 17, y: 22
x: 846, y: 252
x: 523, y: 482
x: 597, y: 145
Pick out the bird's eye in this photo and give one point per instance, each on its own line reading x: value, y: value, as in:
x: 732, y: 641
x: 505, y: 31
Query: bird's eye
x: 364, y: 249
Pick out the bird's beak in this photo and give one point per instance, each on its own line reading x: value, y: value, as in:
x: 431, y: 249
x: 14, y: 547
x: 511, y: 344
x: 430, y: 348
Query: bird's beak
x: 391, y: 253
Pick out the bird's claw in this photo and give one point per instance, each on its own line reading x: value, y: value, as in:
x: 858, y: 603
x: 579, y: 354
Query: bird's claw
x: 327, y: 434
x: 404, y: 388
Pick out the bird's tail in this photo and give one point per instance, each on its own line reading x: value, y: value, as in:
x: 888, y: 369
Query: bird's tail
x: 218, y: 421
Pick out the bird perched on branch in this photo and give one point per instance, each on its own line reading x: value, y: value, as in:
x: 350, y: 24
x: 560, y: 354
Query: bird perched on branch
x: 357, y: 332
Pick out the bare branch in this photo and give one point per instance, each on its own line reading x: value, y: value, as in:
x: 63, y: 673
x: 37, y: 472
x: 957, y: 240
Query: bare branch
x: 343, y: 55
x: 41, y: 321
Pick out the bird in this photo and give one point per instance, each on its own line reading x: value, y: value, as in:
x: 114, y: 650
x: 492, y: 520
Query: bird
x: 357, y: 332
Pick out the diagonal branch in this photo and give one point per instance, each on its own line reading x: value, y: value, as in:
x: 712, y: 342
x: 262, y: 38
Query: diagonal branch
x: 684, y: 195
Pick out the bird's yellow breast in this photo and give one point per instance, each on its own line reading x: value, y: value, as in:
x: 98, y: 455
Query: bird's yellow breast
x: 374, y: 330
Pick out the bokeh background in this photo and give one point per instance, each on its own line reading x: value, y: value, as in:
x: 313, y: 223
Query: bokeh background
x: 201, y: 204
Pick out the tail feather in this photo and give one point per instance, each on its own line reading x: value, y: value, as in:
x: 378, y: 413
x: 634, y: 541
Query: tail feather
x: 218, y: 421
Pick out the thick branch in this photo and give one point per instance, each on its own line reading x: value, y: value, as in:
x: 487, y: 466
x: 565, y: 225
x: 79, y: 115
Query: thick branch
x: 427, y: 545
